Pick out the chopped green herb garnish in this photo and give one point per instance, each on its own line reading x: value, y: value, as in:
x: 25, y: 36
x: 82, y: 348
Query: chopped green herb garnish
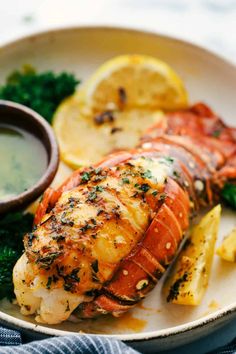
x: 65, y: 221
x: 154, y: 193
x: 162, y: 196
x: 144, y: 187
x: 49, y: 283
x: 93, y: 221
x: 216, y: 133
x: 72, y: 201
x: 85, y: 177
x: 99, y: 189
x: 68, y: 286
x: 30, y: 239
x: 168, y: 159
x: 69, y: 279
x: 92, y: 196
x: 98, y: 170
x: 176, y: 174
x: 47, y: 260
x: 87, y: 227
x: 125, y: 180
x: 147, y: 174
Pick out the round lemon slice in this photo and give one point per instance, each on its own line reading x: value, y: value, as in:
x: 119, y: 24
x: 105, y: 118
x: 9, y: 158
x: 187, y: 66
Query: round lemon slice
x: 134, y: 81
x: 115, y: 106
x: 83, y: 142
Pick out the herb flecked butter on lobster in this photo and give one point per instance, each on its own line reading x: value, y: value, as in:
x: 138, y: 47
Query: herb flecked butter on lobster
x: 102, y: 240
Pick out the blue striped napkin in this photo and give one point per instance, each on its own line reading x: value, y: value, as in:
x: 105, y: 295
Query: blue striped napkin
x: 11, y: 343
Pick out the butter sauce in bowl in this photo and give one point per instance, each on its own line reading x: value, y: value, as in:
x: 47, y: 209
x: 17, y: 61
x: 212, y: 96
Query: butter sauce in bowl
x: 28, y: 156
x: 18, y: 151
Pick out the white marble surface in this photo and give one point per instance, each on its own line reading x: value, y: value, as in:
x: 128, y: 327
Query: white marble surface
x: 211, y: 23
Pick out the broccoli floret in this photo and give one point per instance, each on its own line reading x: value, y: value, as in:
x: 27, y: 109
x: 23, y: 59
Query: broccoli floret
x: 228, y: 193
x: 42, y: 92
x: 12, y: 228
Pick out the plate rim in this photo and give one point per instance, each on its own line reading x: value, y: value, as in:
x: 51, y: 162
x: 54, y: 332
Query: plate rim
x: 92, y: 27
x: 201, y: 322
x: 216, y: 316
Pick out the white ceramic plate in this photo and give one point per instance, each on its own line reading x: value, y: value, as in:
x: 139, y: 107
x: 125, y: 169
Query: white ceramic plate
x: 155, y: 324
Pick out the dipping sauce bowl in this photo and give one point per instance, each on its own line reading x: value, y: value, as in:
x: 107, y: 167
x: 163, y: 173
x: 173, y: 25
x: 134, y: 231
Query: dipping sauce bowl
x: 29, y: 156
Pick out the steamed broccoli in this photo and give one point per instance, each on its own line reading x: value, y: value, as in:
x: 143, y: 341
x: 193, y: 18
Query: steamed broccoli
x: 229, y: 194
x: 42, y: 92
x: 12, y: 228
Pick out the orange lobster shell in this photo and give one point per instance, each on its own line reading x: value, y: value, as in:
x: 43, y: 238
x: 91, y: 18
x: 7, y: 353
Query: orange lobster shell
x: 204, y: 149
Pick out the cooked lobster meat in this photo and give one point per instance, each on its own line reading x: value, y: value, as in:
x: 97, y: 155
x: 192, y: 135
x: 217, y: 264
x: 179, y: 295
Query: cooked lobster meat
x: 103, y: 240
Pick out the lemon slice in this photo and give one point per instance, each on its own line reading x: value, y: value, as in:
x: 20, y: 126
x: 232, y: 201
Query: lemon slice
x: 133, y: 89
x: 82, y: 142
x: 134, y: 81
x: 227, y: 249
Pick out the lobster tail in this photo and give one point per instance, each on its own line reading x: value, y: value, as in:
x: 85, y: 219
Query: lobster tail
x: 111, y: 230
x: 140, y: 271
x: 205, y: 151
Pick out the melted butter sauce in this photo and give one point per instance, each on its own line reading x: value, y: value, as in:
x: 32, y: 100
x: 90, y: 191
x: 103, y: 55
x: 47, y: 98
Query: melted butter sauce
x: 109, y: 324
x: 128, y: 321
x: 23, y: 160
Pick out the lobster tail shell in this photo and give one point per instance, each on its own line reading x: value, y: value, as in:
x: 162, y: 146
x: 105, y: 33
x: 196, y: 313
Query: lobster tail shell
x: 139, y: 272
x: 203, y: 152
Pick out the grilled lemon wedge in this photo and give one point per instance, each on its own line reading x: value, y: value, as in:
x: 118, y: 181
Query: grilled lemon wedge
x: 227, y: 249
x: 188, y: 279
